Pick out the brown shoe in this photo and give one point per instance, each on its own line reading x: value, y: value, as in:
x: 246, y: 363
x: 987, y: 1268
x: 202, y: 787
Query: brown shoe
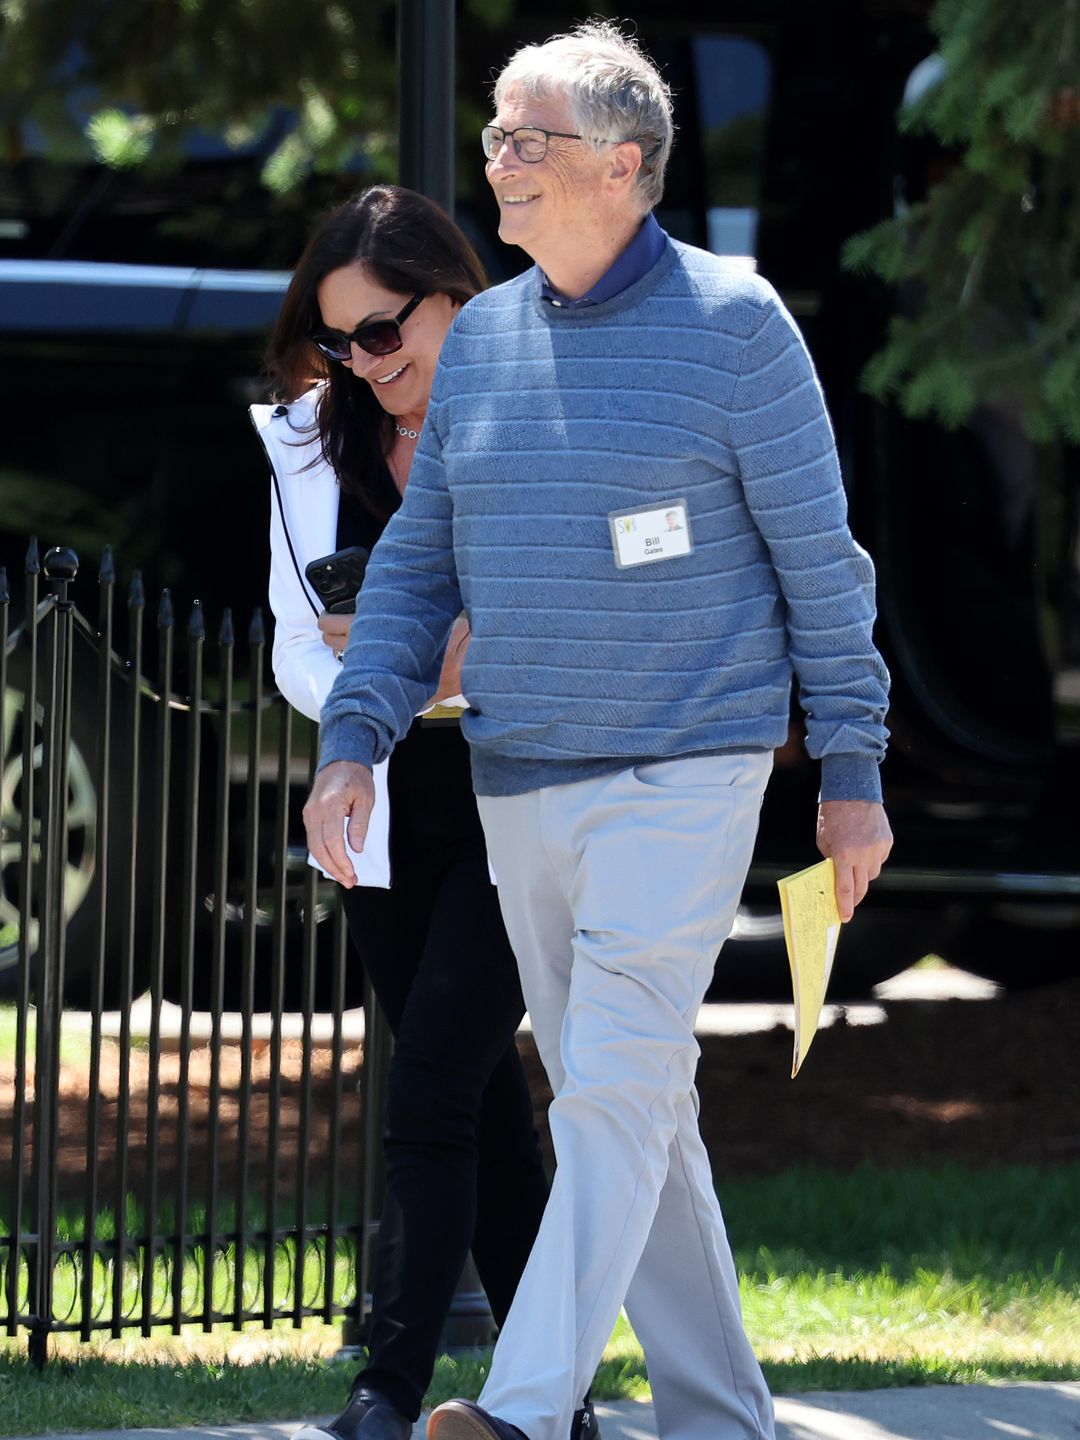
x: 462, y: 1420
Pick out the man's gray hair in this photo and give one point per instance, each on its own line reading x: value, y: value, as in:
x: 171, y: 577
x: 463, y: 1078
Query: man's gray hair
x: 614, y: 90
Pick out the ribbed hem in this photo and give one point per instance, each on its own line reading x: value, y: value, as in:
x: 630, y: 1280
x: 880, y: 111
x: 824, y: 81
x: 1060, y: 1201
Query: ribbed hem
x: 511, y: 775
x: 850, y: 777
x: 347, y: 739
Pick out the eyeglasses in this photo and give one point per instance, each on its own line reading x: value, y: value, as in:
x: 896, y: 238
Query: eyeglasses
x: 530, y: 143
x: 377, y: 337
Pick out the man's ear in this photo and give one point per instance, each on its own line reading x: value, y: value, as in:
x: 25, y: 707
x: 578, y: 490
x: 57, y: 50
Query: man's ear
x: 625, y: 163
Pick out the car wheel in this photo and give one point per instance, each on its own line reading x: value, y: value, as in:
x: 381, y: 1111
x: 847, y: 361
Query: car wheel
x: 19, y: 830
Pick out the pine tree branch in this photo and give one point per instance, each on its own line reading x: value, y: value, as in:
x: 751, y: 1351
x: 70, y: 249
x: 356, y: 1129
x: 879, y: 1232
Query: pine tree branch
x: 986, y: 268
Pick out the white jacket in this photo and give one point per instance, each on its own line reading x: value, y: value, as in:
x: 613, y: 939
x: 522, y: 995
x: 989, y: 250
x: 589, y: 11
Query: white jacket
x: 304, y: 510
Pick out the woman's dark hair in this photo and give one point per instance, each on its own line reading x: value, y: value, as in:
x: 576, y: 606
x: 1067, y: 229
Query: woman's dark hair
x: 410, y: 246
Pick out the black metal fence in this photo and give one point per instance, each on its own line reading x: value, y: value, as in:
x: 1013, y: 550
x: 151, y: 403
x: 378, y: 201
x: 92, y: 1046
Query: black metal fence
x: 155, y: 1174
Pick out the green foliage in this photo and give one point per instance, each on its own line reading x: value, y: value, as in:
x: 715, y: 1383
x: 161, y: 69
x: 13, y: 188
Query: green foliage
x: 158, y: 69
x: 120, y: 140
x: 154, y: 71
x: 987, y: 266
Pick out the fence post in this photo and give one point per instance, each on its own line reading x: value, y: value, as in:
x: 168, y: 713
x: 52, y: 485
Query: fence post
x: 61, y: 567
x: 102, y: 771
x: 226, y: 655
x: 196, y: 637
x: 277, y: 1006
x: 158, y: 847
x: 9, y: 1273
x: 244, y: 1236
x: 26, y: 880
x: 134, y: 870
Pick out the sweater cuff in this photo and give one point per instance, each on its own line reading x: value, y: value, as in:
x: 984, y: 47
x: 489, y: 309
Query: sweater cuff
x: 850, y: 777
x: 347, y: 739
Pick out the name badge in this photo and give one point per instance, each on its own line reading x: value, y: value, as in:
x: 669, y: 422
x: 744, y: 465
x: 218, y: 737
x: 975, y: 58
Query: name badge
x: 652, y: 532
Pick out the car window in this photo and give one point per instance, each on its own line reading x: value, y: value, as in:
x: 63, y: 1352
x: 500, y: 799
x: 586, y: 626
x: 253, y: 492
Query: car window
x: 733, y: 84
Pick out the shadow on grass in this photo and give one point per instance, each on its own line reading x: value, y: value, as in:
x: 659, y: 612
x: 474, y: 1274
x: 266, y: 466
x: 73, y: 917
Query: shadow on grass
x: 989, y: 1226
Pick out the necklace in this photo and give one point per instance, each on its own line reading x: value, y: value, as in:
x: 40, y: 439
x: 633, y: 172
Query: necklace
x: 405, y: 433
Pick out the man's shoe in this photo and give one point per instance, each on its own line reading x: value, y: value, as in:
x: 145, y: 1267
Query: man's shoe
x: 462, y: 1420
x: 584, y: 1424
x: 367, y: 1416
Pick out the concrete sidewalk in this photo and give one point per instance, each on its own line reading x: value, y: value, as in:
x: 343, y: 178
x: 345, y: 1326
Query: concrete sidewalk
x: 1044, y: 1411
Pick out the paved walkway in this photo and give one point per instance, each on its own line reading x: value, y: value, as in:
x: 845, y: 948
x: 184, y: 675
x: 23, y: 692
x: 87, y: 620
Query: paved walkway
x: 934, y: 1412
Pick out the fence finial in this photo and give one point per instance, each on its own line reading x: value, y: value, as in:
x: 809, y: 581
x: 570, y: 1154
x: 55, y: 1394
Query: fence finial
x: 165, y: 611
x: 33, y: 557
x: 225, y: 634
x: 136, y: 593
x: 107, y: 568
x: 197, y: 624
x: 257, y: 630
x: 61, y: 563
x: 4, y: 596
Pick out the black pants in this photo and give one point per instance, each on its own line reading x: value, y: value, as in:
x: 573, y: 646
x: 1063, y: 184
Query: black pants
x: 463, y: 1162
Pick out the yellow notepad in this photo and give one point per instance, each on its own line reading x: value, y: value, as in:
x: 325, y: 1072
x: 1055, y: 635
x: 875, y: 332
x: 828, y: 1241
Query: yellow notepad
x: 811, y: 930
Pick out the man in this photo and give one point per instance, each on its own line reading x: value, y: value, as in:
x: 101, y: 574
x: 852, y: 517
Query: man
x: 628, y: 683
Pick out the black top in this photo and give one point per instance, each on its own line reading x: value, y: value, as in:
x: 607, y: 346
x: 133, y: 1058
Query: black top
x: 356, y: 525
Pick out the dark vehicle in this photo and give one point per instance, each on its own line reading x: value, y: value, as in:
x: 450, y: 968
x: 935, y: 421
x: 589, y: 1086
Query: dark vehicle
x: 124, y: 379
x: 130, y: 381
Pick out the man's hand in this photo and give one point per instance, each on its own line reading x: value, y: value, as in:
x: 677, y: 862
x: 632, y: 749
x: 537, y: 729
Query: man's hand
x: 450, y: 678
x: 342, y: 788
x: 857, y: 836
x: 335, y: 630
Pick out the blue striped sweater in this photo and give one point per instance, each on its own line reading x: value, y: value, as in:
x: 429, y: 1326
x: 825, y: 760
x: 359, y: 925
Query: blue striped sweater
x: 691, y: 384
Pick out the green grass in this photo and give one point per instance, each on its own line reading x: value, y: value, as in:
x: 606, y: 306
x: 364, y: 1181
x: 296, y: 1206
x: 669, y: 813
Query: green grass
x: 877, y: 1278
x: 74, y: 1043
x: 102, y: 1394
x: 936, y: 1275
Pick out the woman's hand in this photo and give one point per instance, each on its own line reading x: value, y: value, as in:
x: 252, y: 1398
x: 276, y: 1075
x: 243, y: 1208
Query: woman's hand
x: 450, y: 678
x: 335, y: 631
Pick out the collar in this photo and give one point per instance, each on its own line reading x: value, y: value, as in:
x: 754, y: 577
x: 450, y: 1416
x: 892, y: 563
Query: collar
x: 635, y: 261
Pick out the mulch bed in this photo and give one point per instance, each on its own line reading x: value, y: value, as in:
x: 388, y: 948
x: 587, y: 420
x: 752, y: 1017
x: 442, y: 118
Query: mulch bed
x: 971, y: 1082
x: 975, y: 1083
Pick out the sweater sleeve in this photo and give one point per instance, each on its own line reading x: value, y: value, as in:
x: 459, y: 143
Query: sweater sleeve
x: 409, y: 600
x: 787, y: 461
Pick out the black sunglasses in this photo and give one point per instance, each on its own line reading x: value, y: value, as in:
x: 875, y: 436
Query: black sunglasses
x: 377, y: 337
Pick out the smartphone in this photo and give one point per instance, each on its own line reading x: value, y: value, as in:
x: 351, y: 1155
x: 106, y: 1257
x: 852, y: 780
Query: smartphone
x: 337, y: 578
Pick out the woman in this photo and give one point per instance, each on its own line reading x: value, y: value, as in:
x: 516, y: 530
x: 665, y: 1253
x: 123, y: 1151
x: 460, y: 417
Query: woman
x: 352, y: 358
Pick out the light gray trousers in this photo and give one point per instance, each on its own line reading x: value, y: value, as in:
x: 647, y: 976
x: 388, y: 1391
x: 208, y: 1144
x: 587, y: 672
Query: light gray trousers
x: 618, y: 893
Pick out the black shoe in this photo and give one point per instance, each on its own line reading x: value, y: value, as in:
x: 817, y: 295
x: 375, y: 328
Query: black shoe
x: 462, y: 1420
x: 584, y: 1425
x: 367, y: 1416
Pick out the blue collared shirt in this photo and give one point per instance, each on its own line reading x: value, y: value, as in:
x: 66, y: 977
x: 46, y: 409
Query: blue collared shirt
x: 636, y: 260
